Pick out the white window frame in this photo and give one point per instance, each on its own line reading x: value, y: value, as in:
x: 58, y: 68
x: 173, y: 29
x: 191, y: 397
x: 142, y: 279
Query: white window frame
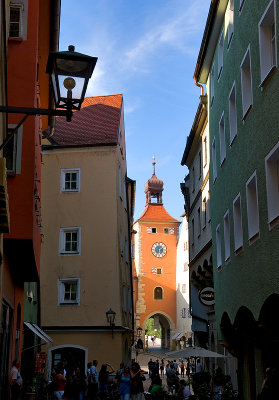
x: 267, y: 41
x: 126, y: 251
x: 212, y: 84
x: 155, y: 230
x: 232, y: 114
x: 121, y: 243
x: 200, y: 164
x: 227, y: 236
x: 218, y: 247
x: 129, y: 300
x: 199, y: 221
x: 204, y: 209
x: 241, y: 4
x: 205, y: 150
x: 214, y: 160
x: 20, y: 8
x: 220, y: 54
x: 120, y: 182
x: 208, y: 206
x: 230, y: 21
x: 222, y: 139
x: 252, y: 208
x: 193, y: 179
x: 166, y: 231
x: 246, y: 83
x: 65, y: 171
x: 272, y: 185
x: 125, y: 195
x: 124, y: 294
x: 237, y: 224
x: 62, y: 244
x: 17, y: 150
x: 193, y: 231
x: 61, y: 291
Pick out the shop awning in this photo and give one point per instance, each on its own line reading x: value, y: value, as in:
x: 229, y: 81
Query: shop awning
x: 39, y: 332
x: 175, y: 336
x: 179, y: 336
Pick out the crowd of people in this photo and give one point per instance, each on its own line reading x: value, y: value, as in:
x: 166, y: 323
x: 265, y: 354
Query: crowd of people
x: 98, y: 384
x: 127, y: 382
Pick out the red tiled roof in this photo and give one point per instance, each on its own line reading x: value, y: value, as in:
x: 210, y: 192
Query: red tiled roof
x: 96, y: 123
x: 156, y: 212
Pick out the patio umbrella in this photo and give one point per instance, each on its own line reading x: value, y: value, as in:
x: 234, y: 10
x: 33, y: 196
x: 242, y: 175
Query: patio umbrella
x: 196, y: 352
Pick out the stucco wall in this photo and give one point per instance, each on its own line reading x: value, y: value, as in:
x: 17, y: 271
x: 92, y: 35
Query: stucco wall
x: 94, y: 209
x: 249, y: 277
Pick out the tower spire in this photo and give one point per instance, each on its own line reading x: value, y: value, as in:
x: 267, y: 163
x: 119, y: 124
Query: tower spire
x: 153, y: 188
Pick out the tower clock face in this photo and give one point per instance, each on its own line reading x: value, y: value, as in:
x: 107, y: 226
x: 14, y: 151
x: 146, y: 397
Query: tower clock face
x: 159, y: 249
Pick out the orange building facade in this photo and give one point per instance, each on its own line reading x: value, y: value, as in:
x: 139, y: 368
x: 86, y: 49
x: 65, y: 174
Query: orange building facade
x: 155, y: 241
x: 32, y: 28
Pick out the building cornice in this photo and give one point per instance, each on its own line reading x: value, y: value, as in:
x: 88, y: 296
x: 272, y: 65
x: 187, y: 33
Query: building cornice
x: 75, y: 328
x: 197, y: 128
x: 198, y: 195
x: 210, y: 37
x: 200, y: 253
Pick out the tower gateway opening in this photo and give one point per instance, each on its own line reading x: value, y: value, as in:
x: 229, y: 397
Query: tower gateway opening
x: 155, y: 267
x: 157, y: 332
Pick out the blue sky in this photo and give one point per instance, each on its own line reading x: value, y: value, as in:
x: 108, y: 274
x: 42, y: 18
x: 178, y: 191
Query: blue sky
x: 147, y: 50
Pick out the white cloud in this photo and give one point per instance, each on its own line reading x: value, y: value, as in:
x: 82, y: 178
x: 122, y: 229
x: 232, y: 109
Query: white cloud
x: 177, y: 32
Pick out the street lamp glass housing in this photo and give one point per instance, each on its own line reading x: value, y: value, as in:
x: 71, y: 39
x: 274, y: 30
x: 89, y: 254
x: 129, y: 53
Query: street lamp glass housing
x: 139, y: 331
x: 70, y: 72
x: 110, y: 316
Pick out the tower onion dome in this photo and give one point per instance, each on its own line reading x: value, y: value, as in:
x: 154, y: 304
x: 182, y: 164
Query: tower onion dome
x: 153, y: 188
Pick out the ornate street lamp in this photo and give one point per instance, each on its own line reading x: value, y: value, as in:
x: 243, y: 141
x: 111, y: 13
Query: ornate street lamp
x: 139, y: 331
x: 70, y: 72
x: 111, y: 317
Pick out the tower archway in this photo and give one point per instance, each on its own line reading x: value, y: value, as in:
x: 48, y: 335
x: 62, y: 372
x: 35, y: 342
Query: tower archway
x: 163, y: 321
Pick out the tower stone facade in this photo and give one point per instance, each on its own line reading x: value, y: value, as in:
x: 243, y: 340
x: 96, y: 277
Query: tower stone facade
x: 155, y: 263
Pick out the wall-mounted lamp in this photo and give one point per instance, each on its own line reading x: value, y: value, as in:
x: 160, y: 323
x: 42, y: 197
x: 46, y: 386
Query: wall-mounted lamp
x: 69, y: 72
x: 110, y: 314
x: 139, y: 331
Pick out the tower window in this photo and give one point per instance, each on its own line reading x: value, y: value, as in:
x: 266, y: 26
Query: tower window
x: 154, y: 230
x: 159, y: 271
x: 158, y: 293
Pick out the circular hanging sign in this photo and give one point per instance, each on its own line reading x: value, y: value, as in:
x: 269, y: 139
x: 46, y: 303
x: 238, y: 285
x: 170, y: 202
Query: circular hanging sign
x: 206, y: 296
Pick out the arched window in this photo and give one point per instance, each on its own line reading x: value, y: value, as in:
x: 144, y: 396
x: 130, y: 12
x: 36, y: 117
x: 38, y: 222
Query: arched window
x: 158, y: 293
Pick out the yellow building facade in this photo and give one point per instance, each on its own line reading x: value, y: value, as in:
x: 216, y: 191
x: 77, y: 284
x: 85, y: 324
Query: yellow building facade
x: 86, y: 264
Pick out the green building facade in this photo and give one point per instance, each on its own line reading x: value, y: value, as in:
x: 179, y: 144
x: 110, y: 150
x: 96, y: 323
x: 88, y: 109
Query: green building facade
x: 238, y: 63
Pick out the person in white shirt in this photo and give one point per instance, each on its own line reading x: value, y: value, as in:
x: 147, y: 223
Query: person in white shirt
x: 15, y: 380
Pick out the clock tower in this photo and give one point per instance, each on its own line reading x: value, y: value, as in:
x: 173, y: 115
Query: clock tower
x: 155, y: 263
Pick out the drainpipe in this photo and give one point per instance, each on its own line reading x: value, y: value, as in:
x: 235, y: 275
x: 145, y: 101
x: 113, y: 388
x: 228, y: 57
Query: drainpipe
x: 199, y: 85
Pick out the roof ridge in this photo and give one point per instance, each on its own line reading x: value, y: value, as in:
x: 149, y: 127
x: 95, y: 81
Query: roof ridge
x: 165, y: 216
x: 104, y: 95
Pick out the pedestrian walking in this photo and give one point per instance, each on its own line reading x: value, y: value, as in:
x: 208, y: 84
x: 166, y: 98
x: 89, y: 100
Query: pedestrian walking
x: 105, y: 371
x: 15, y: 380
x: 150, y: 364
x: 60, y: 381
x: 124, y: 384
x: 188, y: 369
x: 137, y: 378
x: 93, y: 381
x: 217, y: 384
x: 162, y: 366
x: 182, y: 369
x: 79, y: 385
